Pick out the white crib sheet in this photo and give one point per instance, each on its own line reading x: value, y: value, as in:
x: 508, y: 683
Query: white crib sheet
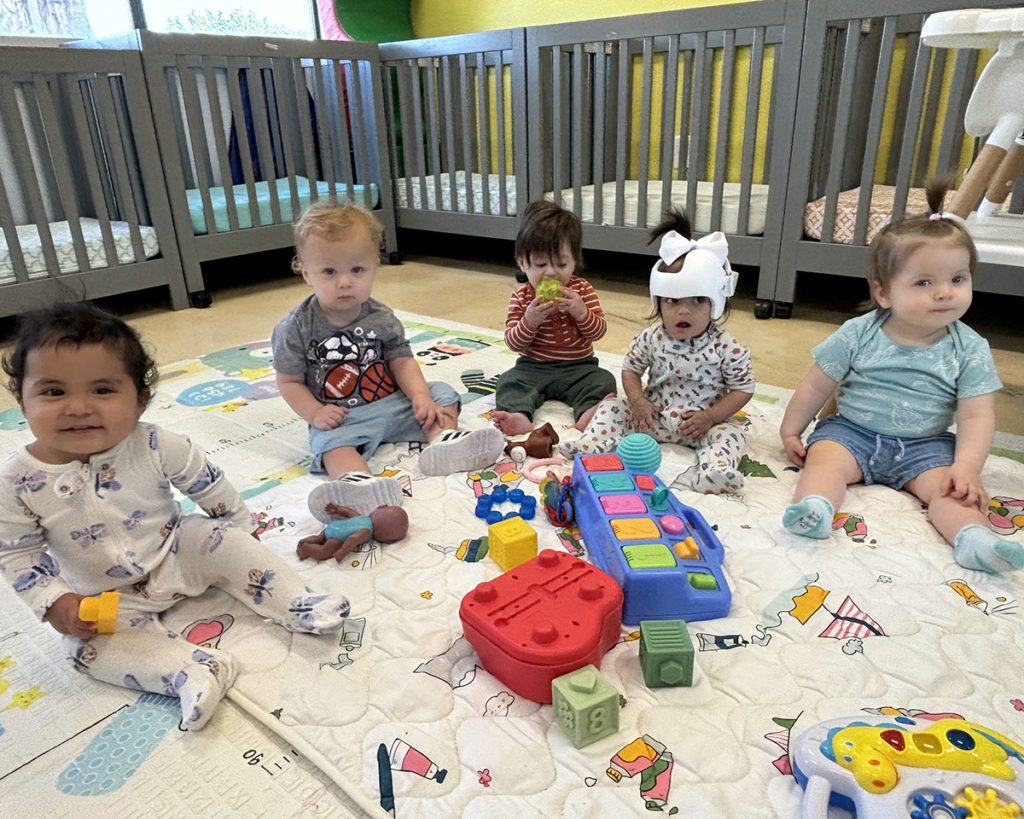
x: 631, y: 196
x: 35, y: 261
x: 999, y: 239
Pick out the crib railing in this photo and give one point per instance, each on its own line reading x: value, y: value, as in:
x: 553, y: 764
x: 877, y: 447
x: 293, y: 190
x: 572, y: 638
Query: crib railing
x: 456, y: 109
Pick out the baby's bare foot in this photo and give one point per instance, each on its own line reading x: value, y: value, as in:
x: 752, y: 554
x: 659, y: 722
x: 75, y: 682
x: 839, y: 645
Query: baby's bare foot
x: 511, y: 423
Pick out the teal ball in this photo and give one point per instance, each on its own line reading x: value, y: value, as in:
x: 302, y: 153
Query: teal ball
x: 639, y: 452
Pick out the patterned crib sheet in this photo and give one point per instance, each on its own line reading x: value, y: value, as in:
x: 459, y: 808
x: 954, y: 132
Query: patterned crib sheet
x: 35, y: 261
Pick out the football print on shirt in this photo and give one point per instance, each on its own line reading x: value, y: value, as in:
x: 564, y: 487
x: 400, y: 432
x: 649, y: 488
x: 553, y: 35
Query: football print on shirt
x: 350, y: 370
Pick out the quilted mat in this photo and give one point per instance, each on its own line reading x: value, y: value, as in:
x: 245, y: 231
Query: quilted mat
x: 399, y: 715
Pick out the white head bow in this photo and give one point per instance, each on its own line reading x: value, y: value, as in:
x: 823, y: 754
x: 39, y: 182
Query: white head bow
x: 706, y: 270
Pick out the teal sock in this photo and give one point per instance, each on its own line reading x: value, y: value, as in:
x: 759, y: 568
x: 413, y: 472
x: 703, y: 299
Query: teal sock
x: 978, y: 547
x: 811, y: 517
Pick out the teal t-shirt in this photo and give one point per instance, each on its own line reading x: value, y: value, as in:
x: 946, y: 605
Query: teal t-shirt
x: 909, y: 392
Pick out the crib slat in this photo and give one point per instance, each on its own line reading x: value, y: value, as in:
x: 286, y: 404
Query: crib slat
x: 196, y: 129
x: 1017, y: 197
x: 11, y: 236
x: 284, y: 125
x: 645, y: 131
x: 842, y: 123
x: 576, y: 131
x: 434, y: 137
x: 417, y: 124
x: 268, y: 168
x: 703, y: 146
x: 874, y: 133
x: 499, y: 104
x: 914, y: 106
x: 682, y: 162
x: 467, y: 148
x: 23, y: 159
x: 340, y: 73
x: 750, y: 130
x: 624, y: 114
x: 305, y: 128
x: 61, y: 167
x: 900, y: 122
x: 124, y: 187
x: 776, y: 73
x: 73, y: 94
x: 360, y: 135
x: 952, y: 126
x: 931, y: 110
x: 600, y: 63
x: 724, y: 117
x: 323, y: 126
x: 693, y: 172
x: 242, y: 135
x: 449, y: 129
x: 392, y: 126
x: 556, y: 124
x: 218, y: 137
x: 484, y: 122
x: 668, y: 121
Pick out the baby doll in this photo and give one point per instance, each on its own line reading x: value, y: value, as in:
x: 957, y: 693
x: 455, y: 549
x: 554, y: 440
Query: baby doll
x: 349, y: 530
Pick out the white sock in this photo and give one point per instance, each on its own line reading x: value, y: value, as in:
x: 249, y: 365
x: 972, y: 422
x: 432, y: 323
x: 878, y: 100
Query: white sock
x: 202, y: 689
x: 978, y: 547
x: 357, y: 490
x: 457, y: 450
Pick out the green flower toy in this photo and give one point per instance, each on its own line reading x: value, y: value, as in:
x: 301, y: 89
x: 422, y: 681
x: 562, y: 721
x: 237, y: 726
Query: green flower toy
x: 549, y: 290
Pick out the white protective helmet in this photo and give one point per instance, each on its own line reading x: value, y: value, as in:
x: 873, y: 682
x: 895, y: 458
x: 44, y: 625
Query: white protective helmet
x: 706, y: 271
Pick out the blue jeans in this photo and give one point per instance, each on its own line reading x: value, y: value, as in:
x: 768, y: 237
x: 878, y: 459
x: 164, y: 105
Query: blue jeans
x: 886, y: 459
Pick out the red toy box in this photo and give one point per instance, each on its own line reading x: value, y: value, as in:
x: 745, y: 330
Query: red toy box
x: 545, y: 618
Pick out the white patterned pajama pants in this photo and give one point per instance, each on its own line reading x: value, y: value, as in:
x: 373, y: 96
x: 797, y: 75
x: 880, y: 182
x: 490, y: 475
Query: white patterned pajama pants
x: 718, y: 452
x: 143, y: 654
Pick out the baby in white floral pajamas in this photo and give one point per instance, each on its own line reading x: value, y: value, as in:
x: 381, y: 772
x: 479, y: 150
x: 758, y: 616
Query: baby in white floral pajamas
x: 87, y: 508
x: 698, y: 376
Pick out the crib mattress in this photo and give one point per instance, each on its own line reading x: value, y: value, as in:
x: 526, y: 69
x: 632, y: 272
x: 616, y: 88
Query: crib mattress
x: 702, y: 221
x: 218, y: 199
x: 477, y: 183
x: 35, y: 261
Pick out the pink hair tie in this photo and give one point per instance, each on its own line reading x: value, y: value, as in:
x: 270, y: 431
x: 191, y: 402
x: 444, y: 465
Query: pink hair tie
x: 935, y: 216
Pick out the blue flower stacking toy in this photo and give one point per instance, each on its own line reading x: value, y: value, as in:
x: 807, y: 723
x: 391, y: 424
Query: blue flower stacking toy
x: 640, y: 453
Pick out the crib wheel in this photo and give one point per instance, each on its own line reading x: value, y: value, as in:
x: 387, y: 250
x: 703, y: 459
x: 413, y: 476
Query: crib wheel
x: 783, y: 309
x: 763, y: 309
x: 394, y: 257
x: 201, y: 299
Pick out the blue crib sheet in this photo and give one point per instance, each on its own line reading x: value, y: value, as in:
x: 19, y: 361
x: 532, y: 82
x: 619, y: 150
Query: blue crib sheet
x: 218, y: 200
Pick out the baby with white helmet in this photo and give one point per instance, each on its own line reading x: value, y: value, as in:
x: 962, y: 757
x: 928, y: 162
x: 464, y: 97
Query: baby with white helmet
x: 698, y: 375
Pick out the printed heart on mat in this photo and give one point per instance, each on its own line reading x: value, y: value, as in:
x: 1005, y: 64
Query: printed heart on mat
x: 207, y: 633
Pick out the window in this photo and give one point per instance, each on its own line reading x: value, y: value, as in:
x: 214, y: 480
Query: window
x: 64, y: 18
x: 243, y: 17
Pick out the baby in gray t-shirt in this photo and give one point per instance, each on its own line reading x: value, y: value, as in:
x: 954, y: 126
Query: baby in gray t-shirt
x: 344, y: 366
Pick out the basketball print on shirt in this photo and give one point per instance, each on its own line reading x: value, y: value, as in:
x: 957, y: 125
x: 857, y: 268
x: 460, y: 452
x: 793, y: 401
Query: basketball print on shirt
x: 350, y: 371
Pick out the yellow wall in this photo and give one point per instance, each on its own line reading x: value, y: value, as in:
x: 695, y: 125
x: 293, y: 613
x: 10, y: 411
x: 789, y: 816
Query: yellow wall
x: 433, y: 18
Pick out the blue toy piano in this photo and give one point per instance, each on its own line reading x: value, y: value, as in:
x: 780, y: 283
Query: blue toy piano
x: 663, y: 553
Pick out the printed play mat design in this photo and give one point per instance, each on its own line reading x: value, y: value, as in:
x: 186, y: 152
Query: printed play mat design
x: 397, y: 713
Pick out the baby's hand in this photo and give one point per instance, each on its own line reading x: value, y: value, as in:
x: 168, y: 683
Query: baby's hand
x: 963, y: 483
x: 572, y: 303
x: 796, y: 452
x: 329, y: 416
x: 63, y: 616
x: 537, y: 313
x: 695, y: 425
x: 640, y: 415
x: 425, y: 410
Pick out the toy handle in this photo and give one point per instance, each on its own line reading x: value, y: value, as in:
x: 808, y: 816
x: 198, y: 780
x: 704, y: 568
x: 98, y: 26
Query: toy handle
x: 816, y: 796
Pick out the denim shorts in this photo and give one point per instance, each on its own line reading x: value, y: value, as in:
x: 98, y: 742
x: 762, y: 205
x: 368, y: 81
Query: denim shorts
x: 387, y: 420
x: 886, y: 459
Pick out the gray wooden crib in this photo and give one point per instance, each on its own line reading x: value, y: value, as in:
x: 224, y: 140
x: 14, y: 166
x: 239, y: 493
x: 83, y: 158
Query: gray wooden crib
x: 456, y: 124
x: 83, y: 208
x: 253, y: 129
x: 621, y: 123
x: 882, y: 112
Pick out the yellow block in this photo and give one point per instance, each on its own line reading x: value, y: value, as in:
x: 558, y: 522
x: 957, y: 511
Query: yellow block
x: 687, y: 549
x: 102, y: 610
x: 512, y: 542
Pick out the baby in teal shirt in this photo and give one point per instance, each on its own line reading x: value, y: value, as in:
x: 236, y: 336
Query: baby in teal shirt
x: 904, y: 372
